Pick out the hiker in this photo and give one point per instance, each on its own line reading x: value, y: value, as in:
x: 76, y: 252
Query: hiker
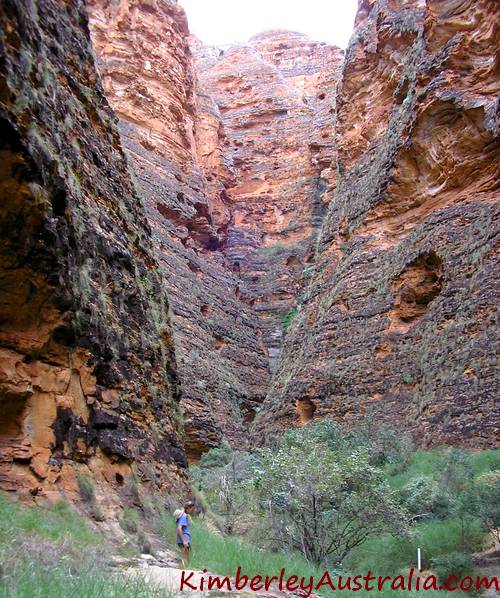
x: 182, y: 522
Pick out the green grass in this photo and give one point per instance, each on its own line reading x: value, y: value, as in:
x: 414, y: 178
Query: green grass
x: 288, y: 318
x: 383, y: 555
x: 422, y: 463
x: 223, y: 555
x: 50, y: 552
x: 485, y: 461
x: 35, y: 581
x: 52, y: 523
x: 430, y: 463
x: 387, y: 554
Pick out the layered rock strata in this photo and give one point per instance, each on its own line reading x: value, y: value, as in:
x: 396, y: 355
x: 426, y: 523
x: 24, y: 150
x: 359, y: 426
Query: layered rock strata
x: 175, y: 140
x: 226, y: 214
x: 88, y: 383
x: 275, y: 95
x: 398, y: 322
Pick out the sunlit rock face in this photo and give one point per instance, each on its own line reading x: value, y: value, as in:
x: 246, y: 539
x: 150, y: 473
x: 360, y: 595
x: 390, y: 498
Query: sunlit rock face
x: 397, y: 322
x: 176, y: 144
x: 233, y: 155
x: 275, y: 95
x: 87, y: 370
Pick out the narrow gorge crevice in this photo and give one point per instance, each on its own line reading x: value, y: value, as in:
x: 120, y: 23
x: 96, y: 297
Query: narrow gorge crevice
x: 280, y: 158
x: 235, y: 210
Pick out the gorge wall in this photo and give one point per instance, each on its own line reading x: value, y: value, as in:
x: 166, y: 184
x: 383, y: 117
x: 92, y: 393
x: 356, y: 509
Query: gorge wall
x: 233, y: 208
x: 244, y: 239
x: 398, y: 321
x: 88, y: 380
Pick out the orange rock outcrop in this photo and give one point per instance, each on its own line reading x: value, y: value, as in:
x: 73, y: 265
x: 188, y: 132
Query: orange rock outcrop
x: 88, y: 382
x: 397, y: 323
x: 234, y: 212
x: 243, y: 239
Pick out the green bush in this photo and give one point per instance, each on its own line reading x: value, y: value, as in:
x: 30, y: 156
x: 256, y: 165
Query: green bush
x: 424, y: 498
x: 86, y: 487
x: 453, y: 563
x: 219, y: 480
x: 216, y: 457
x: 321, y: 496
x: 50, y: 552
x: 288, y: 318
x: 387, y: 554
x: 486, y: 497
x: 129, y: 520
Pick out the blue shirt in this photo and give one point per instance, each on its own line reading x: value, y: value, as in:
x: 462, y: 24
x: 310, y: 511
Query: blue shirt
x: 183, y: 521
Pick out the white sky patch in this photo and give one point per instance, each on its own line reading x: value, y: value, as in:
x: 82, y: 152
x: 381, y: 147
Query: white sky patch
x: 221, y: 22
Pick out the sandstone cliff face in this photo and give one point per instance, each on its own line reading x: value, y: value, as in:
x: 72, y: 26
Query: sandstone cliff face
x: 207, y: 150
x: 275, y: 95
x: 398, y: 320
x: 87, y: 369
x: 175, y: 139
x: 260, y: 188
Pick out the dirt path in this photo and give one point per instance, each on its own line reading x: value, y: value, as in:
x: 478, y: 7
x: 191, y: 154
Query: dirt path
x: 163, y: 572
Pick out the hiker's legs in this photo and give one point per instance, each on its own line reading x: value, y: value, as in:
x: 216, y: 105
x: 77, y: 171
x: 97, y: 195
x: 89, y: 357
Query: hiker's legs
x: 184, y: 551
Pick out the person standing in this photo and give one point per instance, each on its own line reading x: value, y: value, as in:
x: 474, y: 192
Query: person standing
x: 182, y: 523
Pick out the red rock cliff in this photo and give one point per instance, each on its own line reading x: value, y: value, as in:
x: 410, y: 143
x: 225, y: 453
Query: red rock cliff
x: 233, y: 211
x: 269, y: 183
x: 275, y: 97
x: 88, y: 382
x: 398, y: 320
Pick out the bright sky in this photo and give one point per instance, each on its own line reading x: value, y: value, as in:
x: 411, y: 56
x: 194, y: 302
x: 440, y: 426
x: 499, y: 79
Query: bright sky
x: 220, y: 22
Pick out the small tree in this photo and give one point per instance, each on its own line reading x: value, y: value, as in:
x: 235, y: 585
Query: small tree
x: 457, y: 477
x: 487, y: 491
x: 221, y: 477
x: 322, y: 497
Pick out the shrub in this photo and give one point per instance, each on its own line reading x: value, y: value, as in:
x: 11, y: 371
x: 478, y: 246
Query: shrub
x: 453, y: 563
x: 288, y: 318
x: 424, y: 497
x: 129, y: 520
x: 221, y: 487
x: 384, y: 447
x: 86, y: 487
x: 216, y: 457
x: 486, y: 493
x: 323, y: 502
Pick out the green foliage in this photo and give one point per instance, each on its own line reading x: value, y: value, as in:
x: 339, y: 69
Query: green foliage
x: 288, y: 318
x: 487, y: 495
x: 424, y: 498
x: 383, y: 446
x: 50, y: 552
x: 318, y: 477
x: 456, y: 490
x: 220, y: 481
x: 388, y: 554
x: 225, y: 554
x: 55, y: 523
x: 216, y: 457
x: 453, y: 563
x: 129, y: 520
x: 37, y: 581
x: 322, y: 497
x: 86, y: 487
